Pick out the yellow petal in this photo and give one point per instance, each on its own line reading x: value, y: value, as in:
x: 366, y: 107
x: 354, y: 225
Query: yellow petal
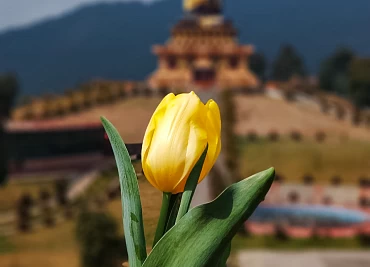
x: 213, y: 127
x: 156, y: 118
x: 197, y: 144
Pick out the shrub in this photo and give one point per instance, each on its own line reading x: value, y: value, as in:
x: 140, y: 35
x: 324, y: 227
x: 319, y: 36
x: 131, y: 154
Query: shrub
x: 243, y: 231
x: 147, y: 92
x: 364, y: 182
x: 252, y: 136
x: 279, y: 178
x: 293, y: 197
x: 364, y: 202
x: 48, y: 216
x: 327, y: 201
x: 3, y: 156
x: 356, y: 116
x: 135, y: 91
x: 47, y: 211
x: 61, y: 187
x: 273, y: 136
x: 122, y: 93
x: 68, y: 211
x: 280, y: 233
x: 100, y: 243
x: 324, y: 105
x: 163, y: 91
x: 364, y: 239
x: 24, y: 216
x: 320, y: 136
x: 113, y: 193
x: 290, y: 95
x: 296, y: 136
x: 336, y: 180
x: 308, y: 179
x: 44, y: 196
x: 340, y: 112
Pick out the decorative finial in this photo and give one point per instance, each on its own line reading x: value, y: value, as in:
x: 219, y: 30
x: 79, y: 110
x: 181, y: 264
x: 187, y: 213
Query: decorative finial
x: 203, y: 7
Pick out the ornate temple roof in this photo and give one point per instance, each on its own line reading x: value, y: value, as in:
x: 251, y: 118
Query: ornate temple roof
x: 194, y: 27
x: 202, y: 50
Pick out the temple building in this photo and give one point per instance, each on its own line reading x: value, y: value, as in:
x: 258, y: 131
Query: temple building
x: 202, y: 53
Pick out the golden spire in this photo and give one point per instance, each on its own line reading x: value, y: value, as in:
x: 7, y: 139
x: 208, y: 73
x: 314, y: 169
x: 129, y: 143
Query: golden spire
x: 190, y: 5
x: 202, y: 6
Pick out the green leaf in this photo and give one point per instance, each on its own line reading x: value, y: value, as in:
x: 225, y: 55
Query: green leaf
x: 130, y: 197
x: 202, y: 235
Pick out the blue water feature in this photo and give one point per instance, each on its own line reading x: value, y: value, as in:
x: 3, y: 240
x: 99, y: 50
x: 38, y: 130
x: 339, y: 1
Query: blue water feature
x: 309, y: 214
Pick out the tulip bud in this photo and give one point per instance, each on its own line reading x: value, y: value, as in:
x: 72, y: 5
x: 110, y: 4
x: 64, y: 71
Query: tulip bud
x: 177, y: 134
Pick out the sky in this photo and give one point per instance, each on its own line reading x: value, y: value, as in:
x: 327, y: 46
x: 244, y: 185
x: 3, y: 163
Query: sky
x: 14, y: 13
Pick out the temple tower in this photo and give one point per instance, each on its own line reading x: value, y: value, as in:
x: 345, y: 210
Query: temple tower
x: 202, y: 53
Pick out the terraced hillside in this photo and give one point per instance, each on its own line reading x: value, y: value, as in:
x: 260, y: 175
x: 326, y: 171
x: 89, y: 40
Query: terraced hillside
x: 259, y: 114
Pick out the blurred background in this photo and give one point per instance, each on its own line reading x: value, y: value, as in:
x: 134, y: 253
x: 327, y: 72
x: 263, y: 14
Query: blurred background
x: 292, y: 79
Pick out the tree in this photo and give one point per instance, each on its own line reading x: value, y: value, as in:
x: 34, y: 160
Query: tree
x: 3, y: 156
x: 100, y: 243
x: 287, y: 64
x: 257, y: 63
x: 8, y: 90
x: 334, y: 72
x: 360, y: 82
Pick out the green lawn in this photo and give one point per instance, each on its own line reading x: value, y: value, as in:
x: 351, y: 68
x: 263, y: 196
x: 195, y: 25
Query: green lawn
x: 348, y: 159
x: 5, y: 245
x: 57, y: 246
x: 11, y: 192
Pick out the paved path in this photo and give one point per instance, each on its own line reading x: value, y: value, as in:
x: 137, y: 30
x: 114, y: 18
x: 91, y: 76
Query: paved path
x: 304, y: 259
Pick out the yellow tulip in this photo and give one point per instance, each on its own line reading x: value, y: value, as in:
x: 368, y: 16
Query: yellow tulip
x: 177, y: 134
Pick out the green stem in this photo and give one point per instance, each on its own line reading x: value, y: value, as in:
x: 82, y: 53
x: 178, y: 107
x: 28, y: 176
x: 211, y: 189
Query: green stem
x: 161, y: 226
x: 190, y: 186
x: 224, y: 256
x: 175, y: 200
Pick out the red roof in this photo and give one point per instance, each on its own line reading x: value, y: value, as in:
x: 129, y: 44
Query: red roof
x: 46, y: 125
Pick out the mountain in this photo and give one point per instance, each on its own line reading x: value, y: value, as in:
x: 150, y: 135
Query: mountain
x: 113, y: 41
